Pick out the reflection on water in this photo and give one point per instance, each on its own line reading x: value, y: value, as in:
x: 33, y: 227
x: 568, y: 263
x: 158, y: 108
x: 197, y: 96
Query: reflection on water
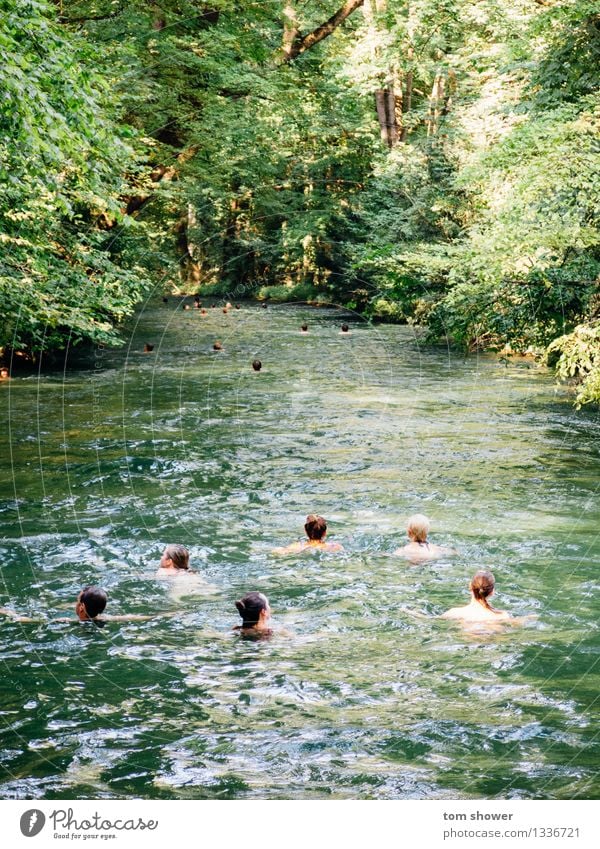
x: 363, y: 698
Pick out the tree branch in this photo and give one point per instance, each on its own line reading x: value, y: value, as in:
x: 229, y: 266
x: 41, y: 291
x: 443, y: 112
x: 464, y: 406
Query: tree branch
x: 302, y: 43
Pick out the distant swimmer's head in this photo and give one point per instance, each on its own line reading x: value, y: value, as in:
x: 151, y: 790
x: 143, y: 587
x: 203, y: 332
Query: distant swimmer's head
x: 238, y: 307
x: 165, y: 300
x: 304, y: 328
x: 256, y: 365
x: 175, y: 557
x: 315, y: 527
x: 148, y: 348
x: 217, y: 346
x: 212, y: 306
x: 203, y: 311
x: 417, y: 527
x: 225, y: 310
x: 254, y: 610
x: 345, y: 328
x: 264, y: 306
x: 4, y: 374
x: 228, y: 305
x: 91, y: 602
x: 186, y: 306
x: 482, y: 586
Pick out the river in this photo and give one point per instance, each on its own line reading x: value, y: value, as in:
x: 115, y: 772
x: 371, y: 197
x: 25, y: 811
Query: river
x: 106, y: 461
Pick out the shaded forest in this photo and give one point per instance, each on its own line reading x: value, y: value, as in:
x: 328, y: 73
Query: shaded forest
x: 435, y: 162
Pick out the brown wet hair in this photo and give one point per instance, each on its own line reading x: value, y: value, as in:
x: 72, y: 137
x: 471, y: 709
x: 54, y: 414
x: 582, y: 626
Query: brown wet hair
x: 315, y: 527
x: 250, y: 607
x: 179, y: 555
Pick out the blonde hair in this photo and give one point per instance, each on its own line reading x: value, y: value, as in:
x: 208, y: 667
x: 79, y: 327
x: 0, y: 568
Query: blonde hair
x: 482, y: 586
x: 418, y: 527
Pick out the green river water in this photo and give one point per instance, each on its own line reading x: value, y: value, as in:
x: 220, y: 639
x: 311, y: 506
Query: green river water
x: 105, y: 462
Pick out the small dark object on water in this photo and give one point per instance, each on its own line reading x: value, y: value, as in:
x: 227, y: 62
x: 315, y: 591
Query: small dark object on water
x: 238, y: 307
x: 345, y: 328
x: 256, y: 365
x: 217, y: 346
x: 203, y: 311
x: 148, y: 348
x: 165, y: 300
x: 225, y: 310
x: 212, y: 306
x: 304, y: 328
x: 264, y: 306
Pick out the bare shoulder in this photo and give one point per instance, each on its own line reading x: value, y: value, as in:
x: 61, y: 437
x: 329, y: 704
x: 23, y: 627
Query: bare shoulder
x: 289, y: 549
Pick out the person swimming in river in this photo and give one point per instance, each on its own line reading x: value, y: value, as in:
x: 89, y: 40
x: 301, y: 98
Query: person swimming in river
x: 175, y: 560
x: 304, y: 328
x: 91, y: 603
x: 479, y: 609
x: 315, y: 528
x: 345, y: 331
x: 256, y: 365
x: 218, y: 346
x: 418, y: 548
x: 4, y: 373
x: 255, y: 611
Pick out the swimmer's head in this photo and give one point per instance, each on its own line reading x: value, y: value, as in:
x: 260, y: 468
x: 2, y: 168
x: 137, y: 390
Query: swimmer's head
x: 175, y: 557
x: 345, y: 328
x: 165, y: 300
x: 304, y: 328
x: 253, y: 608
x: 228, y: 305
x: 482, y: 586
x: 225, y: 310
x: 264, y: 306
x: 417, y: 527
x: 315, y: 527
x: 217, y: 346
x: 148, y: 348
x: 186, y: 306
x: 91, y: 602
x: 256, y: 365
x: 237, y: 306
x: 3, y: 373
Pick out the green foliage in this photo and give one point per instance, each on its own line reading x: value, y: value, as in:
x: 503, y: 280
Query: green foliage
x: 66, y: 270
x: 576, y: 356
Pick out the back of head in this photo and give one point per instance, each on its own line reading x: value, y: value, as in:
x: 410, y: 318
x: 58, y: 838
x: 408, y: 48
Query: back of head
x: 256, y: 365
x: 94, y: 600
x: 482, y: 585
x: 250, y: 607
x: 179, y: 555
x: 315, y: 527
x: 345, y: 328
x: 418, y: 527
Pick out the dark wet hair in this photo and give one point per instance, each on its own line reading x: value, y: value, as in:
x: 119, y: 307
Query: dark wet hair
x: 345, y: 328
x: 264, y: 306
x: 225, y: 310
x: 482, y: 586
x: 165, y: 300
x: 217, y: 346
x: 179, y: 555
x: 304, y: 327
x: 315, y: 527
x: 237, y: 306
x: 148, y: 348
x: 94, y: 600
x: 256, y: 365
x: 250, y: 607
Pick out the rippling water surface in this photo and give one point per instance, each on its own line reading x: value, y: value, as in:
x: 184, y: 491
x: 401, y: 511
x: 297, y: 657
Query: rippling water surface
x: 102, y: 465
